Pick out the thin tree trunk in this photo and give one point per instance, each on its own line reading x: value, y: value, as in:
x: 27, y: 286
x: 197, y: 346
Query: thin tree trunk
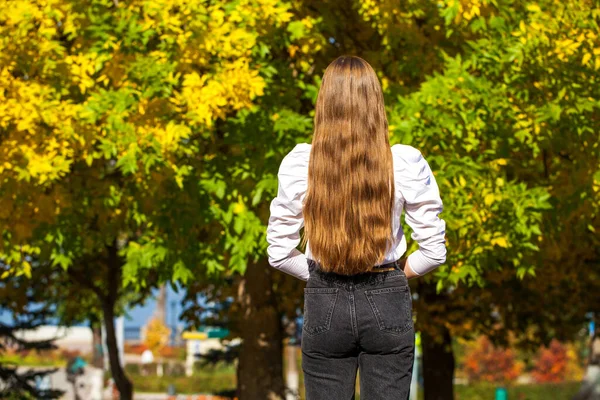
x: 438, y: 366
x: 123, y: 384
x: 161, y: 304
x: 97, y: 356
x: 260, y: 368
x: 292, y: 376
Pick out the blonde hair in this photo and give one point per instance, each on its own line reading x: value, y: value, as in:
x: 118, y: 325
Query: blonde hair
x: 349, y: 202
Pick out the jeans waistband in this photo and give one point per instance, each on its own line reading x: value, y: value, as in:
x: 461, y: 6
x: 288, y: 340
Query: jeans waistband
x: 358, y: 280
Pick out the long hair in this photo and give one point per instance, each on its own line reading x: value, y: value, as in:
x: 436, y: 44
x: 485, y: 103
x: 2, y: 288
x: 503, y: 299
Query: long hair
x: 349, y: 202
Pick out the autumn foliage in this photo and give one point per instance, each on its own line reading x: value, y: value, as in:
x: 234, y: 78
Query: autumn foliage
x: 556, y: 363
x: 485, y: 362
x: 157, y: 336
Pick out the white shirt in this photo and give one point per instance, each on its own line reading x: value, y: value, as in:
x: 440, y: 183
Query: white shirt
x: 416, y: 192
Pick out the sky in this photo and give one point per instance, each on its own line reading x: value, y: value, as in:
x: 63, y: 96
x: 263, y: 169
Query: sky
x: 137, y: 316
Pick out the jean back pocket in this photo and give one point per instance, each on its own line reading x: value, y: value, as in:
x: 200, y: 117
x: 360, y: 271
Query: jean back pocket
x: 319, y: 304
x: 392, y: 307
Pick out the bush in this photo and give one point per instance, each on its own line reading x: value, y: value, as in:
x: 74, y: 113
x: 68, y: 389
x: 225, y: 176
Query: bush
x: 556, y: 363
x: 484, y: 362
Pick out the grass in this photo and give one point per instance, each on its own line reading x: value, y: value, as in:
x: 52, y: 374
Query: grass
x: 540, y: 391
x: 484, y: 391
x: 221, y: 378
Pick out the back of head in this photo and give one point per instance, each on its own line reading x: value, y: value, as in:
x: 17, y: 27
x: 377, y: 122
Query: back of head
x: 348, y: 206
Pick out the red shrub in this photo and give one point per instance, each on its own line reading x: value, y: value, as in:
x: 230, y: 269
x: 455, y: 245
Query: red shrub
x: 484, y: 362
x: 551, y: 363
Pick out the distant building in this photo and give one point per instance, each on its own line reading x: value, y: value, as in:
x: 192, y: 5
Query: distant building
x: 74, y: 338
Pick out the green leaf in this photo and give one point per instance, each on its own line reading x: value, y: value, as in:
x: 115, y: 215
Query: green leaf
x: 296, y: 29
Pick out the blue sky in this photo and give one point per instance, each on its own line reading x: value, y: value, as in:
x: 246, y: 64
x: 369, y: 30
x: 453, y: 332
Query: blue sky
x: 138, y: 316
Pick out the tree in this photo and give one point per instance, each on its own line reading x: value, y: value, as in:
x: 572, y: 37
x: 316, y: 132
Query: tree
x: 143, y: 139
x: 517, y: 100
x: 157, y: 335
x: 485, y: 106
x: 504, y: 110
x: 114, y: 152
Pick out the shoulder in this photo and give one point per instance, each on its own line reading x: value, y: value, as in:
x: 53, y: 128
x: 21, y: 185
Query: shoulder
x: 297, y: 156
x: 410, y: 166
x: 300, y: 150
x: 406, y: 154
x: 296, y: 160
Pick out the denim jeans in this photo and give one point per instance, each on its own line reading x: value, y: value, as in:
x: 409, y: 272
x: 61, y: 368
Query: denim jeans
x: 360, y: 322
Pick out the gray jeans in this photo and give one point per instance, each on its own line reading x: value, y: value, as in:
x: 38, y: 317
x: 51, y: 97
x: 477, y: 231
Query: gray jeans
x: 357, y: 322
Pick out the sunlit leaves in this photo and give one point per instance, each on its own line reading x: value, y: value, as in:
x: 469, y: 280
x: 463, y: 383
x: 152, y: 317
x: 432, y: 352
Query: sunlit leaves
x: 108, y: 114
x: 510, y: 104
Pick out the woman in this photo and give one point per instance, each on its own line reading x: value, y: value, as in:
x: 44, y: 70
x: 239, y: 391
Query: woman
x: 348, y: 189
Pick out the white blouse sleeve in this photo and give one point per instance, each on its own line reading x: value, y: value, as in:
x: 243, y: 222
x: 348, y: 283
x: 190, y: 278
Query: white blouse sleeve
x: 286, y: 219
x: 422, y: 204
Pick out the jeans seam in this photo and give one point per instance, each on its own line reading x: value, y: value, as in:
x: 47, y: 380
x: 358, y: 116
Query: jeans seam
x: 353, y: 314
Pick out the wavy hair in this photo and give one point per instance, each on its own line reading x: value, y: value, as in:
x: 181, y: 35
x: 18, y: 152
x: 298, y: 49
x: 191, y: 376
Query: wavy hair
x: 349, y: 202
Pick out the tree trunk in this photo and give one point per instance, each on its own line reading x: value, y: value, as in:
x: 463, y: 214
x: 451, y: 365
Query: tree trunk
x: 113, y: 283
x: 124, y: 385
x: 260, y: 368
x: 161, y: 304
x: 97, y: 356
x: 292, y: 376
x: 438, y: 366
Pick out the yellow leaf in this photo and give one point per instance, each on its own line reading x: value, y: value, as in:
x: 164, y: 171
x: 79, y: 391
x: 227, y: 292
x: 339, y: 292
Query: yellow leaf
x: 586, y: 58
x: 501, y: 161
x: 501, y: 241
x: 239, y: 208
x: 489, y: 199
x: 26, y: 268
x: 533, y: 8
x: 462, y: 181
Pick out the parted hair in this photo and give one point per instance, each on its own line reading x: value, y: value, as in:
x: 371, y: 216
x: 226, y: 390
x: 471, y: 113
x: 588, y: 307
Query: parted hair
x: 349, y: 202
